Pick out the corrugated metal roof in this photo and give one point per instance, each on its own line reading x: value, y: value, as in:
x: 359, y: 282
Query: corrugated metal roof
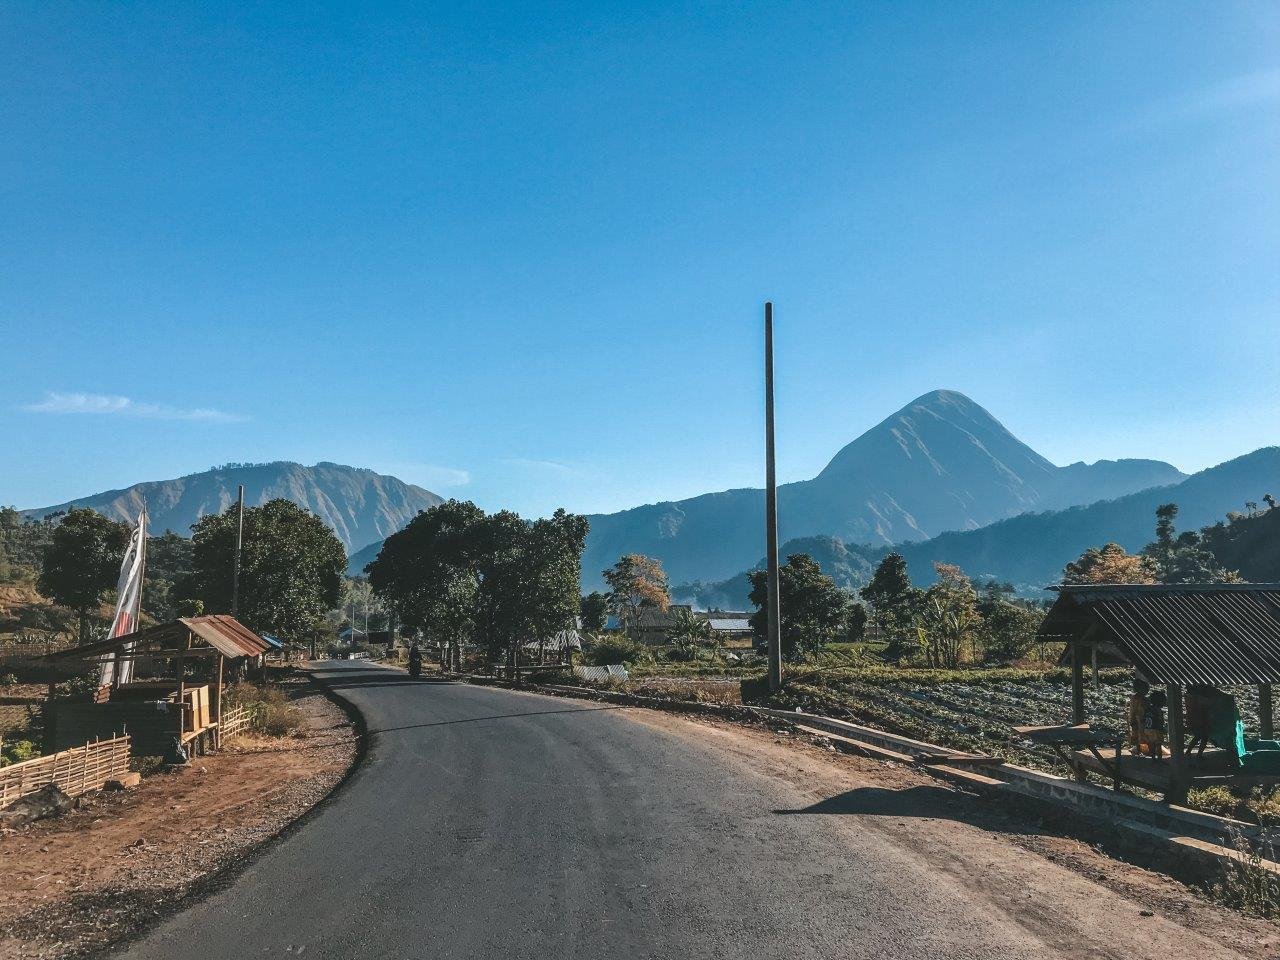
x: 224, y: 633
x: 227, y: 635
x: 1218, y: 634
x: 729, y: 624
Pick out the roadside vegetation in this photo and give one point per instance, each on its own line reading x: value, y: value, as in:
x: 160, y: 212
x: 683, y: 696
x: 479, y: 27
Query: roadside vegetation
x: 271, y: 713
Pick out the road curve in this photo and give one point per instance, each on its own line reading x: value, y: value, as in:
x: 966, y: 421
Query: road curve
x: 486, y: 823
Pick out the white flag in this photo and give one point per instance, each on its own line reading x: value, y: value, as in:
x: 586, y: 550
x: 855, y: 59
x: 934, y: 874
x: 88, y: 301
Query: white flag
x: 128, y: 601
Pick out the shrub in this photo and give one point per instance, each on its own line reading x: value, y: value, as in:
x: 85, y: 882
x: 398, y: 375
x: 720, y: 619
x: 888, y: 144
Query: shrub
x: 271, y: 712
x: 17, y: 751
x: 1265, y: 806
x: 617, y: 650
x: 146, y: 766
x: 1216, y: 800
x: 1245, y: 882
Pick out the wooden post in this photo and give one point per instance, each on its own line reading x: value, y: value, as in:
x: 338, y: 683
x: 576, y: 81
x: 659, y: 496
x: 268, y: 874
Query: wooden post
x: 1077, y: 685
x: 1178, y: 779
x: 1266, y: 714
x: 773, y: 608
x: 217, y: 702
x: 182, y: 685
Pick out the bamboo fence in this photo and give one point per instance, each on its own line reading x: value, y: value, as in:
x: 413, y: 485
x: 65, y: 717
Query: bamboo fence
x: 234, y: 722
x: 75, y: 771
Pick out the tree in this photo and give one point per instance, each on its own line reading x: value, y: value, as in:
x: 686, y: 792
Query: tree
x: 82, y: 563
x: 168, y: 576
x: 857, y: 627
x: 290, y: 569
x: 895, y: 602
x: 1109, y: 564
x: 594, y: 610
x: 949, y: 617
x: 1009, y: 626
x: 814, y: 610
x: 636, y: 581
x: 427, y: 573
x: 1184, y: 558
x: 688, y: 630
x: 464, y: 575
x: 551, y: 563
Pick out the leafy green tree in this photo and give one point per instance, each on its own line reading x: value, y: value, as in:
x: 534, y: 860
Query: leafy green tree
x: 82, y: 563
x: 1184, y: 558
x: 594, y: 611
x: 949, y: 621
x: 550, y: 565
x: 427, y: 574
x: 688, y: 630
x: 290, y: 571
x: 168, y: 577
x: 23, y: 542
x: 895, y: 602
x: 496, y: 579
x: 636, y: 581
x: 857, y: 631
x: 814, y: 610
x: 1009, y: 626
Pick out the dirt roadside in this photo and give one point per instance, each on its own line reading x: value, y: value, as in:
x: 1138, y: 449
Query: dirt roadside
x: 73, y: 886
x: 1041, y: 879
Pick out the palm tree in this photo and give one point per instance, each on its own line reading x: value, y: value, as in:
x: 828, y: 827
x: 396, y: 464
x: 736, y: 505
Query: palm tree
x: 689, y: 629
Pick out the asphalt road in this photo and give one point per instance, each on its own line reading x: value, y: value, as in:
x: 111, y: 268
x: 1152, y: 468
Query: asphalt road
x: 491, y: 824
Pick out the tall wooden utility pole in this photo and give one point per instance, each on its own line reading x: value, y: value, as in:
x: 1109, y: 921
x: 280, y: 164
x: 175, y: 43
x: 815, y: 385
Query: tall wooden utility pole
x: 235, y: 570
x: 773, y: 611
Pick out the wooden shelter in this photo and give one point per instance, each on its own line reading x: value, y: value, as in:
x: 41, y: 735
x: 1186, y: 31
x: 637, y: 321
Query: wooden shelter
x: 158, y: 713
x: 1206, y: 635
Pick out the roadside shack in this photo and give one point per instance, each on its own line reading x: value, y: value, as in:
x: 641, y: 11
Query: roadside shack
x: 1197, y: 638
x: 180, y: 702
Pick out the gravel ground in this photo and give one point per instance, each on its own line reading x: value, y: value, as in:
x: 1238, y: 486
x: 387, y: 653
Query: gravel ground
x: 77, y: 885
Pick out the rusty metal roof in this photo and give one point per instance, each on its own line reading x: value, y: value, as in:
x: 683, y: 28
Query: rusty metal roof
x: 224, y: 633
x: 1217, y: 634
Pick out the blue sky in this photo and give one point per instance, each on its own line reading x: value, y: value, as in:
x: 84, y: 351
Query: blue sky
x: 517, y: 253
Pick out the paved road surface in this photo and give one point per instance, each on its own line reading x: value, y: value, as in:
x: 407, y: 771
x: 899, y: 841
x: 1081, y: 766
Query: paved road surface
x: 492, y: 824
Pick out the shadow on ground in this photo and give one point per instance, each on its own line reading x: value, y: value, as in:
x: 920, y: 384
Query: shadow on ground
x: 921, y: 803
x: 498, y: 716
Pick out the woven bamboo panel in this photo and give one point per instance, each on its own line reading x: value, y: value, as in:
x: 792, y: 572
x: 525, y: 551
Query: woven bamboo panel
x: 75, y: 771
x: 235, y: 722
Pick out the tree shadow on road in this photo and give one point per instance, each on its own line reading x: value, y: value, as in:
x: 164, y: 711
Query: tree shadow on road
x: 920, y: 802
x: 499, y: 716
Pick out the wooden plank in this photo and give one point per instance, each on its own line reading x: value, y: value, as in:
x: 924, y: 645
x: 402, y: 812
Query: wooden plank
x: 870, y: 749
x: 962, y: 760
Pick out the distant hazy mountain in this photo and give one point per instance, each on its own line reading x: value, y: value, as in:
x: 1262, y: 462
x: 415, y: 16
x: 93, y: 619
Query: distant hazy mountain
x: 361, y: 558
x: 940, y: 463
x: 849, y: 567
x: 361, y: 506
x: 1030, y: 550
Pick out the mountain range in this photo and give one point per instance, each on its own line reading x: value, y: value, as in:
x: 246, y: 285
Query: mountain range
x: 940, y: 463
x: 939, y: 480
x: 361, y: 506
x: 1031, y: 549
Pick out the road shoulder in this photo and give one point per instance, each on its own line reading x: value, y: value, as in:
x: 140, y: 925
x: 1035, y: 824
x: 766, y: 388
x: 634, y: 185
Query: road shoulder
x: 107, y: 871
x: 1037, y: 876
